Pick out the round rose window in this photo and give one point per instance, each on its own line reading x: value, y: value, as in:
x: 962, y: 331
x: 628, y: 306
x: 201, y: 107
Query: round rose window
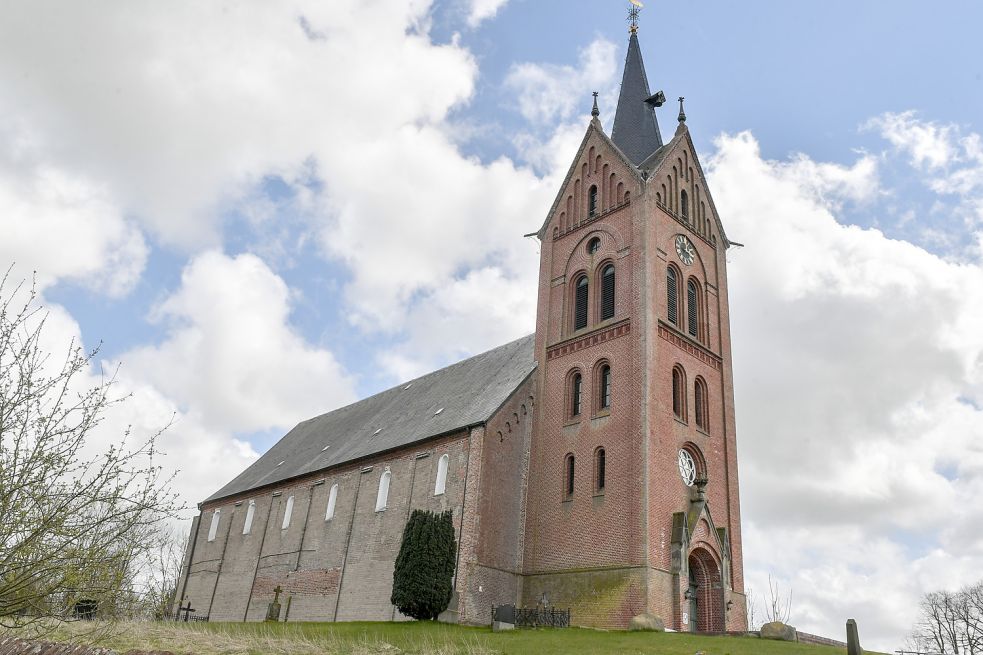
x: 687, y: 468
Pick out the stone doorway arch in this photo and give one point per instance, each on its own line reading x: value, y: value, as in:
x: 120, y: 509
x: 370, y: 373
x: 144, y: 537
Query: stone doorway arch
x: 705, y: 595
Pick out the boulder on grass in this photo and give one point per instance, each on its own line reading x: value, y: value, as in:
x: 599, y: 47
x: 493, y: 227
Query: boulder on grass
x: 646, y: 622
x: 779, y: 631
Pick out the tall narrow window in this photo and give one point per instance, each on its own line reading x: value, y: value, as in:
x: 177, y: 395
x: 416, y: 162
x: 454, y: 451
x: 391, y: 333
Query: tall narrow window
x: 250, y: 512
x: 382, y: 498
x: 671, y: 292
x: 213, y: 528
x: 441, y: 485
x: 605, y: 387
x: 607, y: 292
x: 678, y: 393
x: 580, y: 305
x: 332, y: 502
x: 287, y: 513
x: 702, y: 404
x: 684, y: 204
x: 692, y: 308
x: 568, y: 482
x: 599, y: 463
x: 576, y: 384
x: 592, y: 201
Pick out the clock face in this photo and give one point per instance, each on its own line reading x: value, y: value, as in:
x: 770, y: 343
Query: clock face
x: 685, y: 250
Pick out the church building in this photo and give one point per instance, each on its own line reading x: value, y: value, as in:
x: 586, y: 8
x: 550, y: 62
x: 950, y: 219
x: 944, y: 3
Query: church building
x: 591, y: 465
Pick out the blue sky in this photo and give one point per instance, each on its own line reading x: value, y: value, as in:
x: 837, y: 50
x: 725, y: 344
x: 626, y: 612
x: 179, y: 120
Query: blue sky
x: 289, y: 207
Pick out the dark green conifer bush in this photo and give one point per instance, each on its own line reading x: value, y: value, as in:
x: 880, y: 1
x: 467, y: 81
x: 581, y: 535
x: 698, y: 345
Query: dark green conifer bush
x: 425, y: 565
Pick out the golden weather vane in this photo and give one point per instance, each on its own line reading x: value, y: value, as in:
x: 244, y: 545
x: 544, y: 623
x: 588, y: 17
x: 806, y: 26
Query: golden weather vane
x: 633, y: 10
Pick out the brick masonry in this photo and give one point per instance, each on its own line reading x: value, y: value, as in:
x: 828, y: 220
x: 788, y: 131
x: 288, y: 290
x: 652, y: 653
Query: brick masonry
x: 645, y: 542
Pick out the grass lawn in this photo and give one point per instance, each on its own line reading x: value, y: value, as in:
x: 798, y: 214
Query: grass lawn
x: 426, y: 639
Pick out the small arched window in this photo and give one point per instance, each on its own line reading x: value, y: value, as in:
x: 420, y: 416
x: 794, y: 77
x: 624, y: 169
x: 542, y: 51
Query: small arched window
x: 607, y: 292
x: 672, y: 292
x: 592, y: 201
x: 441, y: 485
x: 679, y: 392
x: 605, y: 387
x: 593, y: 246
x: 684, y: 204
x: 332, y: 502
x: 213, y: 528
x: 576, y: 386
x: 701, y: 403
x: 250, y: 512
x: 580, y: 304
x: 382, y: 498
x: 693, y: 308
x: 568, y: 481
x: 599, y: 465
x: 287, y: 513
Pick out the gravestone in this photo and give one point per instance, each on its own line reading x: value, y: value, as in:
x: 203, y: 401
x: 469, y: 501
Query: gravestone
x: 273, y: 611
x: 853, y: 639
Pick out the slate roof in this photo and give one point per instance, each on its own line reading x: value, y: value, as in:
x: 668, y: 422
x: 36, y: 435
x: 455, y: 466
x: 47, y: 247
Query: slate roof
x: 636, y: 130
x: 468, y: 392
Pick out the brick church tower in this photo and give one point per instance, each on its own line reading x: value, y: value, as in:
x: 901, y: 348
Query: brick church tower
x: 632, y: 500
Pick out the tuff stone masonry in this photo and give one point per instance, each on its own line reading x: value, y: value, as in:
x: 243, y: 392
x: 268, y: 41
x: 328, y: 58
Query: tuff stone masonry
x: 591, y: 465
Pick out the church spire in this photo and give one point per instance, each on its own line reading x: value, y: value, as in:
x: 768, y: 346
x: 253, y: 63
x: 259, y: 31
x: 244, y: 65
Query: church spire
x: 636, y: 130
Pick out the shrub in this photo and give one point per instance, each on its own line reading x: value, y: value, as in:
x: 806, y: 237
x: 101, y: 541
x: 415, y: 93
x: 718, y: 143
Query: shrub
x: 425, y: 565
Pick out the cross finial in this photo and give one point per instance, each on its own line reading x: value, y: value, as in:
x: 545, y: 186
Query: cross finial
x: 595, y: 112
x: 682, y: 114
x: 633, y: 10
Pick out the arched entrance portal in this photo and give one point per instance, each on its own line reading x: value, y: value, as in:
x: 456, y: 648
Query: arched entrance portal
x: 705, y: 596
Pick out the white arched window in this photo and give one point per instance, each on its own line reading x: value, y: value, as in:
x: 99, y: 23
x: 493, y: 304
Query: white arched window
x: 383, y: 498
x: 213, y: 528
x: 441, y: 485
x: 250, y: 511
x: 287, y: 512
x: 332, y: 501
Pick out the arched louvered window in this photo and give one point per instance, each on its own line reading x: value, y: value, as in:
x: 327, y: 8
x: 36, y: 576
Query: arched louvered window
x: 382, y: 498
x: 580, y: 304
x: 672, y: 291
x: 213, y: 528
x: 605, y: 387
x: 693, y: 308
x: 679, y: 392
x: 592, y: 201
x: 684, y: 204
x: 568, y: 481
x: 332, y: 502
x: 441, y: 485
x: 599, y: 464
x: 250, y: 512
x: 287, y: 513
x: 576, y: 385
x: 607, y: 292
x: 701, y: 403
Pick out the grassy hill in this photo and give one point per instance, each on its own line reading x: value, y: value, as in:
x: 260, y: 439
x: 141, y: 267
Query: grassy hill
x: 428, y: 639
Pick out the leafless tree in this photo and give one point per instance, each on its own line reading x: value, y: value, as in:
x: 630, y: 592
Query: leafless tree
x: 779, y: 605
x: 162, y: 573
x: 951, y: 621
x: 752, y: 609
x: 73, y: 520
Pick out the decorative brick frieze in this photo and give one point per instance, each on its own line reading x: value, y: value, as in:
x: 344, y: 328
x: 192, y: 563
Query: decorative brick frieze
x: 601, y: 335
x: 707, y: 357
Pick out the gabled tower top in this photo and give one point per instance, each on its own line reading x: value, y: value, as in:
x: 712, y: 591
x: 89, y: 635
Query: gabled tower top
x: 636, y: 130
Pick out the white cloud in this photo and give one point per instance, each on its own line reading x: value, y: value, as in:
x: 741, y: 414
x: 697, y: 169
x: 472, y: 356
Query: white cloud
x: 231, y: 358
x: 548, y: 93
x: 65, y: 227
x: 858, y: 364
x: 482, y: 10
x: 928, y: 144
x: 238, y: 92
